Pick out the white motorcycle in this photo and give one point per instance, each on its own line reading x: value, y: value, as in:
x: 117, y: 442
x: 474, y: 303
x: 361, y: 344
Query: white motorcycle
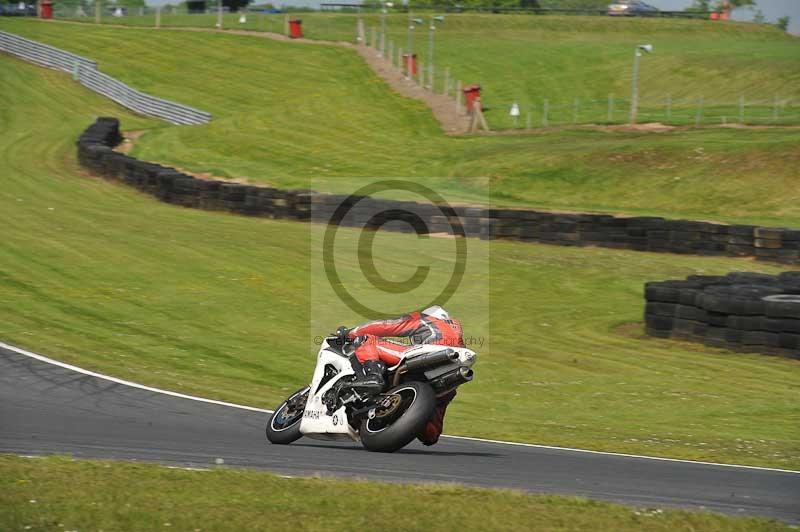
x: 331, y: 409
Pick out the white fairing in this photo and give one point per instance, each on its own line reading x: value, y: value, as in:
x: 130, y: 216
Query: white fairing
x: 317, y: 423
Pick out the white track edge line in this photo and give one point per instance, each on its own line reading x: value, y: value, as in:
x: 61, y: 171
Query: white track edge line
x: 624, y: 455
x: 466, y: 438
x: 126, y: 383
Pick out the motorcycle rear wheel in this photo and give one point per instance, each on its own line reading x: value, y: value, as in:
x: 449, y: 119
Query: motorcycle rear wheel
x: 283, y: 426
x: 407, y: 411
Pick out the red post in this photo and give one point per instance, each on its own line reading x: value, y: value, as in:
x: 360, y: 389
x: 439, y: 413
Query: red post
x: 471, y: 93
x: 47, y: 9
x: 410, y: 64
x: 295, y: 29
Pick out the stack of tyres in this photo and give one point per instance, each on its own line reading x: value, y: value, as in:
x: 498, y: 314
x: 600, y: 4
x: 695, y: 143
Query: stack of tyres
x: 767, y: 242
x: 775, y: 244
x: 671, y: 311
x: 105, y: 130
x: 501, y: 224
x: 185, y: 191
x: 209, y: 194
x: 95, y: 152
x: 562, y: 230
x: 638, y: 230
x: 741, y: 311
x: 741, y: 241
x: 299, y: 204
x: 468, y: 220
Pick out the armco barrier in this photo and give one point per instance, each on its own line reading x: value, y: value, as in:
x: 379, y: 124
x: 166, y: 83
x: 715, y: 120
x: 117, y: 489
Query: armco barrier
x: 740, y: 311
x: 634, y: 233
x: 85, y: 71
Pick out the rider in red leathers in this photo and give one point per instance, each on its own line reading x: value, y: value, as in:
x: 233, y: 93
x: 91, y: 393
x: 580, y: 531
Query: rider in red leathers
x: 430, y: 326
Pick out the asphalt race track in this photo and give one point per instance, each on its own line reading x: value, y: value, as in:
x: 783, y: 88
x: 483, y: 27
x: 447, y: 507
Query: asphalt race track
x: 47, y: 409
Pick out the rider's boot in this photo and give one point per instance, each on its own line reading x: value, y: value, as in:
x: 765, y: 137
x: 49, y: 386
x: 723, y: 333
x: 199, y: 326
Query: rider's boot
x: 371, y: 377
x: 433, y: 429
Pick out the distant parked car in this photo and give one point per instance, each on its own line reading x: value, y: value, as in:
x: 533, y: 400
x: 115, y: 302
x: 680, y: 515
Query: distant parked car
x: 631, y: 8
x: 18, y: 10
x: 117, y: 11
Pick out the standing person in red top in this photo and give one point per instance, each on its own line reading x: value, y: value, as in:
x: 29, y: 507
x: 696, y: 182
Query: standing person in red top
x: 430, y: 326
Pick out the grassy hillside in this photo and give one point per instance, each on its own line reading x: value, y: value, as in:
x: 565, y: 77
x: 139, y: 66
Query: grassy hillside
x: 295, y: 115
x: 527, y: 59
x: 98, y: 275
x: 56, y: 493
x: 563, y: 58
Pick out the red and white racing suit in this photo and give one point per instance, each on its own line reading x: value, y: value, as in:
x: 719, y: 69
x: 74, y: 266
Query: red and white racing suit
x: 420, y: 329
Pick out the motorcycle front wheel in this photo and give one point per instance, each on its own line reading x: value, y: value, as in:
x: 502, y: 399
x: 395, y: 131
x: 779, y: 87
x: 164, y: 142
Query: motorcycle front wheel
x: 283, y: 426
x: 399, y: 417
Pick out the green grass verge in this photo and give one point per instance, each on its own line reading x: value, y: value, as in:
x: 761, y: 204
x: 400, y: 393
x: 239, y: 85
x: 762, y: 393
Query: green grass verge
x: 528, y: 59
x: 563, y: 58
x: 59, y: 493
x: 95, y: 274
x: 295, y: 115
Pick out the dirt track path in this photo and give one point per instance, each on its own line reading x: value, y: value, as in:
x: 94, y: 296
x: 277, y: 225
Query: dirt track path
x: 443, y: 108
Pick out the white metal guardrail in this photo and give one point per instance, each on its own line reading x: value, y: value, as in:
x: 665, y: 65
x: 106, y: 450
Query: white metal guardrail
x: 85, y: 71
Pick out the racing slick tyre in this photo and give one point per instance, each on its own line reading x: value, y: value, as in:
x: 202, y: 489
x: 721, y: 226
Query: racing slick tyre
x: 283, y: 426
x: 399, y: 417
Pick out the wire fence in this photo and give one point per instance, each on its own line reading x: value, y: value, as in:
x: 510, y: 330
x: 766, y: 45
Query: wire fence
x: 42, y: 54
x: 542, y: 112
x: 85, y: 72
x: 545, y: 112
x: 544, y: 9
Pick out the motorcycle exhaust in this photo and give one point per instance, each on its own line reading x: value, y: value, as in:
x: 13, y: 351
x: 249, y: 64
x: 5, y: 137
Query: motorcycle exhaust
x: 431, y: 360
x: 452, y: 379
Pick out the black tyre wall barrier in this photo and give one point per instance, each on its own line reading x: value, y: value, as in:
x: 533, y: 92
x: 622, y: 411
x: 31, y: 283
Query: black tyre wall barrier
x: 741, y: 311
x: 639, y: 233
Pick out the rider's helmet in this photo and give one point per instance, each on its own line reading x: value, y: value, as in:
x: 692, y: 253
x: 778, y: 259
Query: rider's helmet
x: 436, y: 312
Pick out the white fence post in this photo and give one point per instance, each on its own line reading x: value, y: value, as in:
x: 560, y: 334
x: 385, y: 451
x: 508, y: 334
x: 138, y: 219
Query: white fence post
x: 698, y: 119
x: 741, y: 109
x: 775, y: 112
x: 576, y: 107
x: 546, y: 113
x: 669, y: 108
